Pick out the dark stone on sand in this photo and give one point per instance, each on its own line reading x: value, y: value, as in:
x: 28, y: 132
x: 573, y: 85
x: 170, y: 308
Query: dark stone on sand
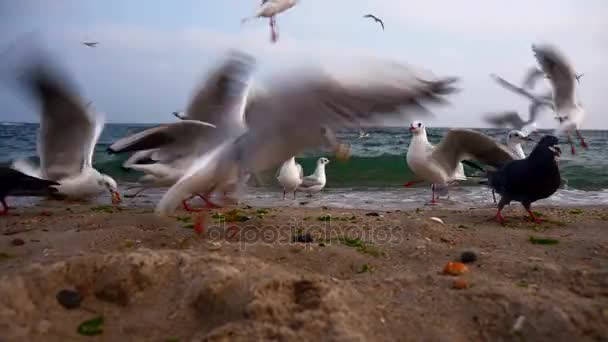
x: 303, y: 238
x: 372, y: 214
x: 17, y: 242
x: 468, y: 257
x: 69, y: 299
x: 304, y: 203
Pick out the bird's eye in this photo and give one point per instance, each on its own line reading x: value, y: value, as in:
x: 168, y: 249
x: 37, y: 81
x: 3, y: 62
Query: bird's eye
x: 419, y: 125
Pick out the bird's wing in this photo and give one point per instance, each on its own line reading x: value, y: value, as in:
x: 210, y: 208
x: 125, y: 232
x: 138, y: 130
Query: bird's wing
x: 459, y: 144
x: 309, y: 181
x: 510, y: 86
x: 221, y: 98
x: 300, y: 170
x: 68, y: 132
x: 507, y: 118
x: 531, y: 77
x: 560, y: 72
x: 296, y: 114
x: 171, y: 141
x: 381, y: 24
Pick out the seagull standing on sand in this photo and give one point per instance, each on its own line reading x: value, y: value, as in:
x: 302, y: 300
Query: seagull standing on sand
x: 297, y: 112
x: 528, y: 180
x: 438, y: 165
x: 15, y: 183
x: 270, y: 9
x: 290, y: 176
x: 560, y: 72
x: 315, y: 182
x: 67, y: 137
x: 376, y: 19
x: 418, y: 150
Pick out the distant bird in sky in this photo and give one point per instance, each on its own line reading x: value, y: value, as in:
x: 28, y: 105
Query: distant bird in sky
x: 376, y: 19
x: 578, y: 77
x: 90, y: 44
x: 270, y: 9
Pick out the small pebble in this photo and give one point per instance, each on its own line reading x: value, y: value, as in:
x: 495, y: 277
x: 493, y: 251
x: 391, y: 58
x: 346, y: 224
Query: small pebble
x: 69, y: 299
x: 468, y: 257
x: 17, y: 242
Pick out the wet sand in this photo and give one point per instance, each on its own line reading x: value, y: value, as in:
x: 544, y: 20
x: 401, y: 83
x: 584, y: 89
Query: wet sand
x: 304, y: 274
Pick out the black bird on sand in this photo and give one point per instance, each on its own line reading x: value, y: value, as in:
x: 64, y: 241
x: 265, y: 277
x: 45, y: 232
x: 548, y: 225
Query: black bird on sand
x: 378, y: 20
x: 15, y: 183
x: 528, y: 180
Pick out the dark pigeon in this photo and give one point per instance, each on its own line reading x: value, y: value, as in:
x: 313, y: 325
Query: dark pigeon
x: 528, y: 180
x: 15, y: 183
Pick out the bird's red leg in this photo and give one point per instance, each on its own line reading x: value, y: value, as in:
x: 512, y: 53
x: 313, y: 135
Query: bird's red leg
x: 571, y: 144
x: 4, y: 208
x: 410, y: 183
x: 273, y: 31
x: 534, y: 218
x: 499, y: 217
x: 199, y: 224
x: 580, y: 137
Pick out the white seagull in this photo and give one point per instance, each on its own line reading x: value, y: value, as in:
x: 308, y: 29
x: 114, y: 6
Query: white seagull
x: 515, y: 139
x: 315, y: 182
x: 438, y: 165
x: 290, y: 176
x: 215, y: 113
x: 560, y: 72
x: 419, y: 148
x: 67, y: 137
x: 270, y: 9
x: 297, y: 113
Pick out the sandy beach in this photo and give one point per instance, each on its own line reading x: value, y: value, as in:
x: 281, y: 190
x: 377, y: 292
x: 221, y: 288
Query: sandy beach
x: 303, y: 274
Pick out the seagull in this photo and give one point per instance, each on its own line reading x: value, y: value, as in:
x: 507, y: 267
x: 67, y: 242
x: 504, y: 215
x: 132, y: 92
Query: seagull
x: 515, y: 139
x: 15, y: 183
x: 290, y: 176
x: 578, y: 78
x: 180, y: 115
x: 315, y: 182
x: 90, y: 44
x: 376, y: 19
x: 297, y: 111
x: 512, y: 119
x: 270, y: 9
x: 439, y: 164
x: 418, y: 150
x: 528, y: 180
x: 570, y: 113
x: 67, y: 137
x: 215, y: 113
x: 363, y: 134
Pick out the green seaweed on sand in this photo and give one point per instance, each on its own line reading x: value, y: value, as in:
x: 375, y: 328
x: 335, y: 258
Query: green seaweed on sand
x: 365, y: 268
x: 234, y: 215
x: 91, y: 327
x: 542, y: 241
x: 103, y: 208
x: 5, y: 256
x: 324, y: 218
x: 188, y: 226
x: 576, y: 211
x: 260, y: 213
x: 361, y: 246
x: 184, y: 219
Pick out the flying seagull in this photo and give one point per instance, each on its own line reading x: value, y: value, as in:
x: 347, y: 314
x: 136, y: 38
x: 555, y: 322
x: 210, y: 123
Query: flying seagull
x: 67, y: 137
x: 578, y: 77
x: 295, y: 113
x: 15, y: 183
x: 376, y: 19
x: 270, y: 9
x: 90, y: 44
x: 570, y: 113
x: 528, y: 180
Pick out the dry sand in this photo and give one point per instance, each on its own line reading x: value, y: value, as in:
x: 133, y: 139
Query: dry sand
x: 367, y: 275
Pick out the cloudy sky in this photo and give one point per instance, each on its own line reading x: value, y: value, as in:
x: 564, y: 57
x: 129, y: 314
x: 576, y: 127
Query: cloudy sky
x: 152, y: 52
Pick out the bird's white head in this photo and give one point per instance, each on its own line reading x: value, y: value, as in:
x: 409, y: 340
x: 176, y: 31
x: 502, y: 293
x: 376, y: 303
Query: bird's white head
x: 322, y: 161
x: 110, y: 184
x: 518, y: 137
x: 417, y: 127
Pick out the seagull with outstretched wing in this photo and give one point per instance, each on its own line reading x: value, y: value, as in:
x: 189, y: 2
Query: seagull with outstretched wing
x: 376, y: 19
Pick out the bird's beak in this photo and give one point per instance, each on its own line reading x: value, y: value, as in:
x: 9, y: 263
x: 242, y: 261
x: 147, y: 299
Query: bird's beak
x: 115, y: 197
x: 528, y: 138
x: 412, y: 128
